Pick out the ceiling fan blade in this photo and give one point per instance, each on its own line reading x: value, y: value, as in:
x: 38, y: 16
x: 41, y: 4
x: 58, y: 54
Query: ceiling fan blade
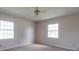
x: 43, y: 11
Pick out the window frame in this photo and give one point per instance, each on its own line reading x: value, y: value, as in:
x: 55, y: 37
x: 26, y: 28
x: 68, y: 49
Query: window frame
x: 7, y: 30
x: 53, y: 31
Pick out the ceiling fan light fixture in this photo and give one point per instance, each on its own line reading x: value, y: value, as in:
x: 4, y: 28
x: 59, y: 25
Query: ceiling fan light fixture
x: 37, y: 11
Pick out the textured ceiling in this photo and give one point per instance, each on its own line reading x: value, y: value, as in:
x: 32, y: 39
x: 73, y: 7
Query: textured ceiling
x: 46, y: 12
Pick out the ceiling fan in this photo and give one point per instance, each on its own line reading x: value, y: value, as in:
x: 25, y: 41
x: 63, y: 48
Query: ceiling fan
x: 37, y: 11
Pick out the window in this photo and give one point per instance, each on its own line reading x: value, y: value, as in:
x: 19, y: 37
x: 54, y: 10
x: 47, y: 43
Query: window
x: 6, y: 30
x: 53, y: 31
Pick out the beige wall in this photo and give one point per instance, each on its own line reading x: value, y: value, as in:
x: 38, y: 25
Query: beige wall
x: 24, y: 32
x: 68, y: 32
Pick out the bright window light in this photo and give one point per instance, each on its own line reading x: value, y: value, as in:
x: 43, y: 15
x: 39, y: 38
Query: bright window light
x: 6, y: 30
x: 53, y: 31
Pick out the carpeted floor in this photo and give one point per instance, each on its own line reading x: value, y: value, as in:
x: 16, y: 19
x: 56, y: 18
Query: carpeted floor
x: 36, y: 47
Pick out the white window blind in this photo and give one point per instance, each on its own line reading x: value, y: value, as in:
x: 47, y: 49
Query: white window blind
x: 6, y: 30
x: 53, y: 31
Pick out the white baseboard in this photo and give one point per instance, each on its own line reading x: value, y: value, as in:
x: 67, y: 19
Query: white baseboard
x: 15, y: 46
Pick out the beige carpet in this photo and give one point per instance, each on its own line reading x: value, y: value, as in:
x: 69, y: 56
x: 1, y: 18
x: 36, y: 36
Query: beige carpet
x: 36, y: 47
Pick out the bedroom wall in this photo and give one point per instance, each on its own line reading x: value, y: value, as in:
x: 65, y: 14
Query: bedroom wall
x: 23, y: 29
x: 68, y: 32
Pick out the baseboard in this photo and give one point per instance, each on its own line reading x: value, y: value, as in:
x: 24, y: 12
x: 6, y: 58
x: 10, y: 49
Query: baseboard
x: 4, y: 49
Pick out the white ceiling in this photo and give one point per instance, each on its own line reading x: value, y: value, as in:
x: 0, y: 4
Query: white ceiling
x: 46, y: 12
